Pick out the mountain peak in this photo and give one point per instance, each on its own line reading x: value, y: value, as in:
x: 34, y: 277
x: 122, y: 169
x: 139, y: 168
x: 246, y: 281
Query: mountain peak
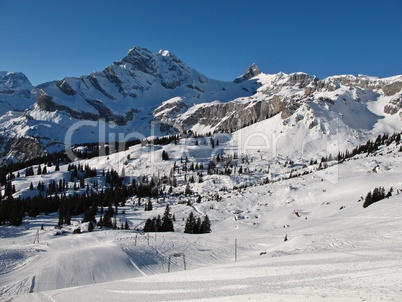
x: 141, y: 59
x: 165, y: 53
x: 11, y: 81
x: 251, y: 72
x: 136, y: 50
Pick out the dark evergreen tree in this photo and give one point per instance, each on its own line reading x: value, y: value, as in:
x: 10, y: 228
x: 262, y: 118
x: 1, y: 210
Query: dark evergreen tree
x: 197, y: 226
x: 165, y: 155
x: 188, y: 190
x: 149, y: 208
x: 149, y: 226
x: 167, y: 221
x: 190, y: 222
x: 205, y: 225
x: 212, y: 142
x: 90, y: 226
x: 16, y: 211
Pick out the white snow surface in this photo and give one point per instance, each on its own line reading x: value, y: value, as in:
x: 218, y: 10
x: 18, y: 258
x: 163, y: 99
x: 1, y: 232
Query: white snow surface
x: 336, y: 249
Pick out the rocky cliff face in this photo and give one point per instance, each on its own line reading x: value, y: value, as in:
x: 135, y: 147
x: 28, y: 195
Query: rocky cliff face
x: 231, y: 116
x: 250, y: 73
x: 394, y: 105
x: 284, y: 94
x: 388, y: 86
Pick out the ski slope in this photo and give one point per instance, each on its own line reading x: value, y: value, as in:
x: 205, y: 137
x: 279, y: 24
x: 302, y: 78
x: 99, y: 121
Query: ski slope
x: 336, y: 249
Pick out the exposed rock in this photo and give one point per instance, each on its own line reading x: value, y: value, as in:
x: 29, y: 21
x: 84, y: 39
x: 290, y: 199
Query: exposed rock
x: 46, y: 103
x: 63, y: 86
x: 392, y: 88
x: 394, y: 105
x: 96, y: 84
x: 141, y: 59
x: 23, y: 148
x: 171, y: 107
x: 231, y: 116
x: 251, y: 72
x: 301, y: 79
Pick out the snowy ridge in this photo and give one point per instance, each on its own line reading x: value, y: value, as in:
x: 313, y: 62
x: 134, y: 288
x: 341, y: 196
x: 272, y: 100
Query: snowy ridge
x: 157, y: 94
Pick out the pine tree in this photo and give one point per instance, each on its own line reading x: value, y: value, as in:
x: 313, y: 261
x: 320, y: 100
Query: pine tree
x: 165, y: 155
x: 157, y: 223
x: 126, y: 227
x: 67, y: 219
x: 368, y: 200
x: 149, y: 226
x: 167, y: 222
x: 16, y: 211
x: 188, y: 190
x: 190, y: 222
x: 197, y: 226
x: 205, y: 225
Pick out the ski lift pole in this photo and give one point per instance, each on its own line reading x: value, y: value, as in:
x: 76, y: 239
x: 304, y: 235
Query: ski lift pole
x: 235, y: 249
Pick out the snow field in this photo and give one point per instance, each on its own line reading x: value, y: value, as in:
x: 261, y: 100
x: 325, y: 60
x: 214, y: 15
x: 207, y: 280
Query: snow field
x: 335, y: 248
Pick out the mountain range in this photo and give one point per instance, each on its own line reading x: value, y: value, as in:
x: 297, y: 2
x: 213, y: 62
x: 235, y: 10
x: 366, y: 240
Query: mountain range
x: 297, y: 178
x: 153, y: 94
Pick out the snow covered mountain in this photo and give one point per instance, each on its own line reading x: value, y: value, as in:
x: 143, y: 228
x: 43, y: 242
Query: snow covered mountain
x: 15, y: 92
x: 123, y: 95
x: 151, y: 94
x: 280, y: 164
x: 138, y: 82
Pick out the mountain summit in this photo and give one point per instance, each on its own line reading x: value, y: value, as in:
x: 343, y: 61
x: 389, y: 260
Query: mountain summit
x: 10, y: 82
x: 251, y: 72
x: 155, y: 94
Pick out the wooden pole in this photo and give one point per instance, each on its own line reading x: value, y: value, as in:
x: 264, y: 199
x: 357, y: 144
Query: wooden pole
x: 235, y: 249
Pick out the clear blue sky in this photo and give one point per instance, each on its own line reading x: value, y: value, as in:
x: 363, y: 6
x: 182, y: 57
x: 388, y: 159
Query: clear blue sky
x: 49, y: 39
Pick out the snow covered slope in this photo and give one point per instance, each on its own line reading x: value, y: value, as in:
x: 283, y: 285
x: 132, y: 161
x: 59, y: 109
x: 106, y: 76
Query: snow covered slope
x: 335, y: 248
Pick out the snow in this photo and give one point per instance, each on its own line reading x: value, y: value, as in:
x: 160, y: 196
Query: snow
x: 164, y: 53
x: 336, y: 249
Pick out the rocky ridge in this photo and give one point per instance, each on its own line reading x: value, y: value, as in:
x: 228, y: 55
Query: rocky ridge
x: 145, y: 89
